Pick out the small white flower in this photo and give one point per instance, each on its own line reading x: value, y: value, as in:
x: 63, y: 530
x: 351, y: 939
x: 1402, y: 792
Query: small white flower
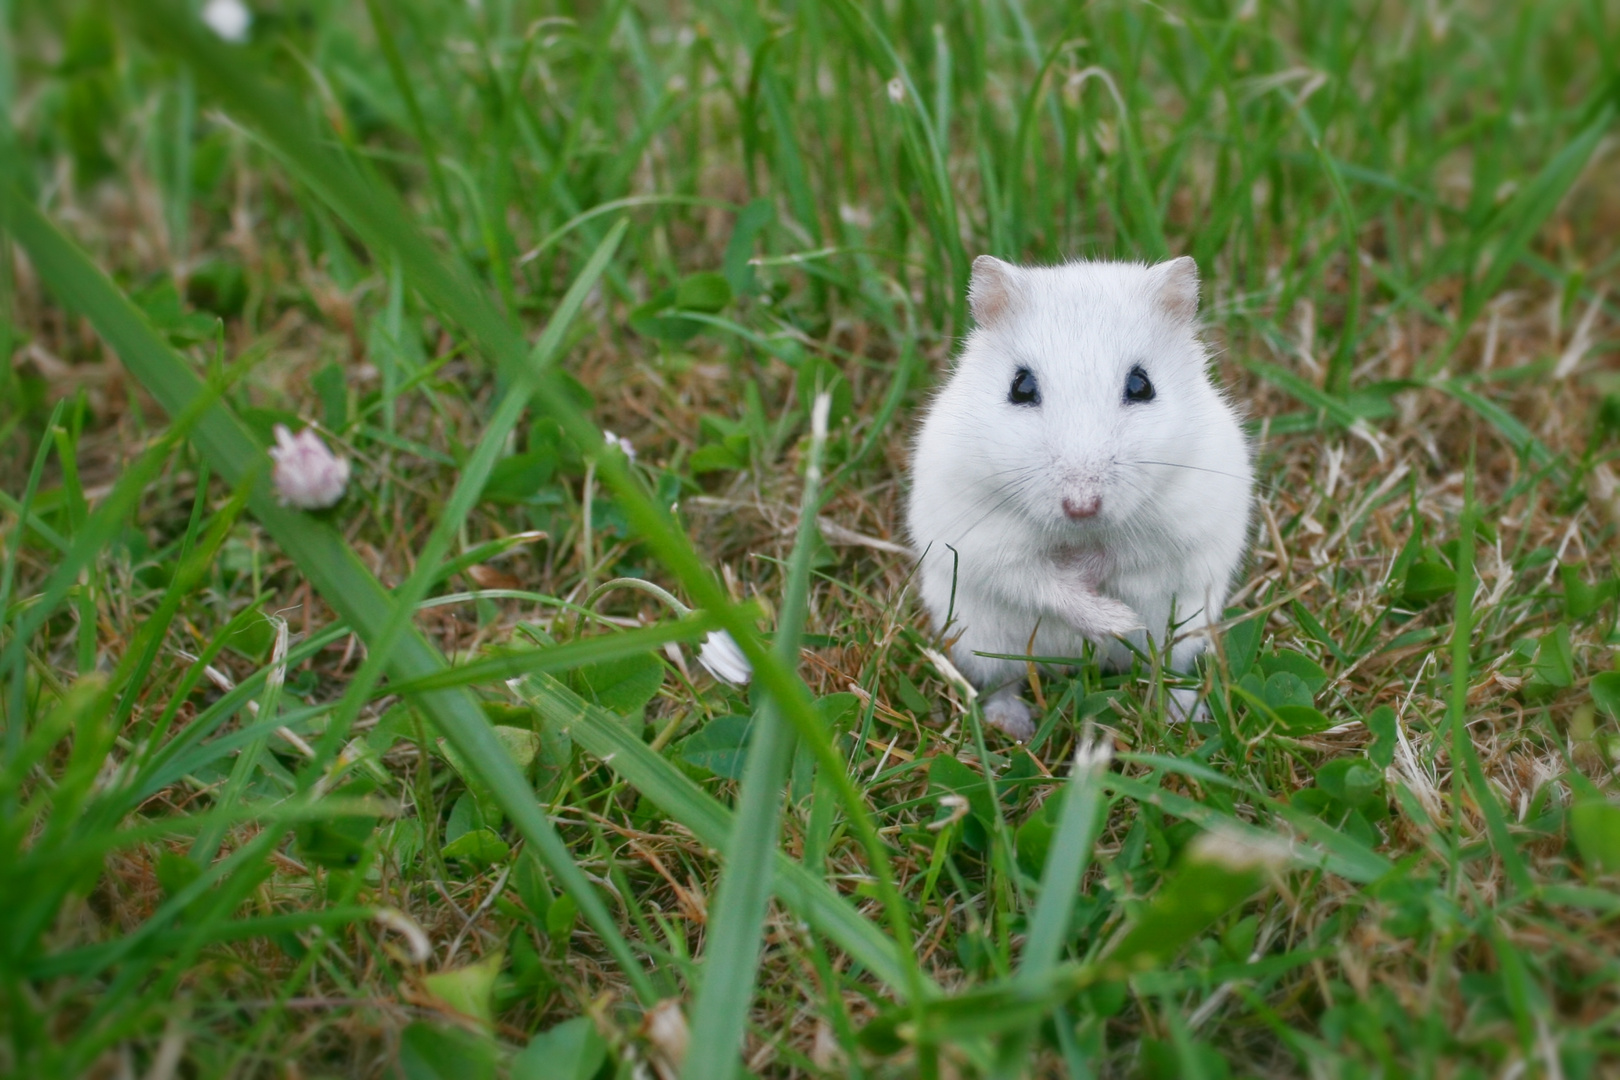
x: 721, y: 658
x: 622, y: 443
x: 229, y: 19
x: 897, y: 90
x: 307, y: 475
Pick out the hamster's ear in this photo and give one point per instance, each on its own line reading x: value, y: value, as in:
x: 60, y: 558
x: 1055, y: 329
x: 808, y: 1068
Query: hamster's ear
x: 991, y: 292
x: 1176, y: 283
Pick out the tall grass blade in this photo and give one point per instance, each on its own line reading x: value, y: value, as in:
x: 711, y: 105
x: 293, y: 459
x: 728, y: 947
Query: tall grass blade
x: 1524, y: 214
x: 736, y: 928
x: 1078, y: 821
x: 1462, y: 743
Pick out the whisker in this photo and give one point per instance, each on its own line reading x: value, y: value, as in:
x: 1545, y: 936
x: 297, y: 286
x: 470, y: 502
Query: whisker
x: 1259, y: 483
x: 1179, y: 465
x: 1003, y: 492
x: 1001, y: 504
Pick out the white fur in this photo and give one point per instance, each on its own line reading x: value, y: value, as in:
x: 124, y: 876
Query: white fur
x: 989, y: 477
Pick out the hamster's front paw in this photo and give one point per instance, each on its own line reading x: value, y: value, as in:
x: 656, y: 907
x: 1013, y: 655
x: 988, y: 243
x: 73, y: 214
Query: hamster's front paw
x: 1009, y: 713
x: 1098, y: 617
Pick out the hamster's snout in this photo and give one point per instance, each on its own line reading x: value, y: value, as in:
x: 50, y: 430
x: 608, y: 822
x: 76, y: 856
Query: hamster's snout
x: 1082, y: 507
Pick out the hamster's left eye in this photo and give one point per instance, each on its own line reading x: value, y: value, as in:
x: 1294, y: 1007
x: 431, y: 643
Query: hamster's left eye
x: 1024, y: 390
x: 1137, y: 386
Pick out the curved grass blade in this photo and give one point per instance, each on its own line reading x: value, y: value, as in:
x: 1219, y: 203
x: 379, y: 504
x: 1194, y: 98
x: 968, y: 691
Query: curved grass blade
x: 565, y: 657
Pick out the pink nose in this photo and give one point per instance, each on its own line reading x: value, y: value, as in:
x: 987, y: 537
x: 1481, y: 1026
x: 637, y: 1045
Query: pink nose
x: 1080, y: 509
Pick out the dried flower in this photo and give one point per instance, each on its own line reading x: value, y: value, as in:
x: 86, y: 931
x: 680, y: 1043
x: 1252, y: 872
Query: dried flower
x: 308, y: 475
x: 229, y: 19
x: 721, y: 658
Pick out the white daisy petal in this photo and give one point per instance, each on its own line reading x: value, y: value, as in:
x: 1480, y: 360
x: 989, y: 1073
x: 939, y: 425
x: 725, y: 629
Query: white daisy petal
x: 721, y: 658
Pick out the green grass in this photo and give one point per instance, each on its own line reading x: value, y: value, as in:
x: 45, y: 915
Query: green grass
x: 417, y: 786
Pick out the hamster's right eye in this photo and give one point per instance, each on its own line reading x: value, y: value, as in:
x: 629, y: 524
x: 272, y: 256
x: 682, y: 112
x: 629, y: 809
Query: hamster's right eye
x: 1025, y: 390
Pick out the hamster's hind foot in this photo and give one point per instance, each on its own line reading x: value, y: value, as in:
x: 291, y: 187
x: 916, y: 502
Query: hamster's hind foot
x: 1009, y: 713
x: 1184, y: 704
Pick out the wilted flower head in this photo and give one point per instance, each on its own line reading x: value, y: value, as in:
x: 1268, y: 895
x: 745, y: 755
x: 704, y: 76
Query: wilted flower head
x: 229, y: 19
x: 307, y: 475
x: 721, y: 658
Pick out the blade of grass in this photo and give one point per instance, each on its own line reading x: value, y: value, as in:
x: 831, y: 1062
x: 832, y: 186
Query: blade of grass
x: 1462, y: 743
x: 1079, y: 818
x: 918, y: 130
x: 1219, y: 871
x: 161, y: 762
x: 736, y: 927
x: 193, y: 565
x: 88, y: 959
x: 381, y: 26
x: 1511, y: 428
x: 1066, y: 860
x: 17, y: 684
x: 565, y: 657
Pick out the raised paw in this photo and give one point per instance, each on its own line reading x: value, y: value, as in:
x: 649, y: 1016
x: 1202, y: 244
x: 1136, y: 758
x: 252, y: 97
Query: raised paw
x: 1009, y: 713
x: 1099, y: 617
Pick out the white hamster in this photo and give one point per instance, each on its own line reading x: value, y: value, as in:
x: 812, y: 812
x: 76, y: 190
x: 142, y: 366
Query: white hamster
x: 1078, y: 477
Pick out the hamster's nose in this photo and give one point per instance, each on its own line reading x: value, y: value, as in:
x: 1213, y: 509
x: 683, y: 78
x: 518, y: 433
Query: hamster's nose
x: 1080, y: 509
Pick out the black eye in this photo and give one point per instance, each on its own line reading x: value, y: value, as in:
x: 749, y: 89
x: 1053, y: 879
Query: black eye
x: 1025, y: 390
x: 1137, y: 386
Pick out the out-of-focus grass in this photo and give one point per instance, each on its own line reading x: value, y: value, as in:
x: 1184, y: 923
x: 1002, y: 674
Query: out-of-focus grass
x: 250, y: 825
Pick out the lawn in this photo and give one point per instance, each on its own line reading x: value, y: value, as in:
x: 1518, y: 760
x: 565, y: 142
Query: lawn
x: 443, y: 780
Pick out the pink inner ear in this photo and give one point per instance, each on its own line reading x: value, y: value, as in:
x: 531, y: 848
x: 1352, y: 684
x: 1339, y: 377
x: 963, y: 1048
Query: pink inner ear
x: 990, y: 290
x: 1178, y: 287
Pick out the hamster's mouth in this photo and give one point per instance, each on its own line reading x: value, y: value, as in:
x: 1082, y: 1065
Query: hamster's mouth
x: 1085, y: 532
x: 1090, y: 558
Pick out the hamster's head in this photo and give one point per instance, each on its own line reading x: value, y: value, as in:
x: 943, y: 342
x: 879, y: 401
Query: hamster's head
x: 1082, y: 397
